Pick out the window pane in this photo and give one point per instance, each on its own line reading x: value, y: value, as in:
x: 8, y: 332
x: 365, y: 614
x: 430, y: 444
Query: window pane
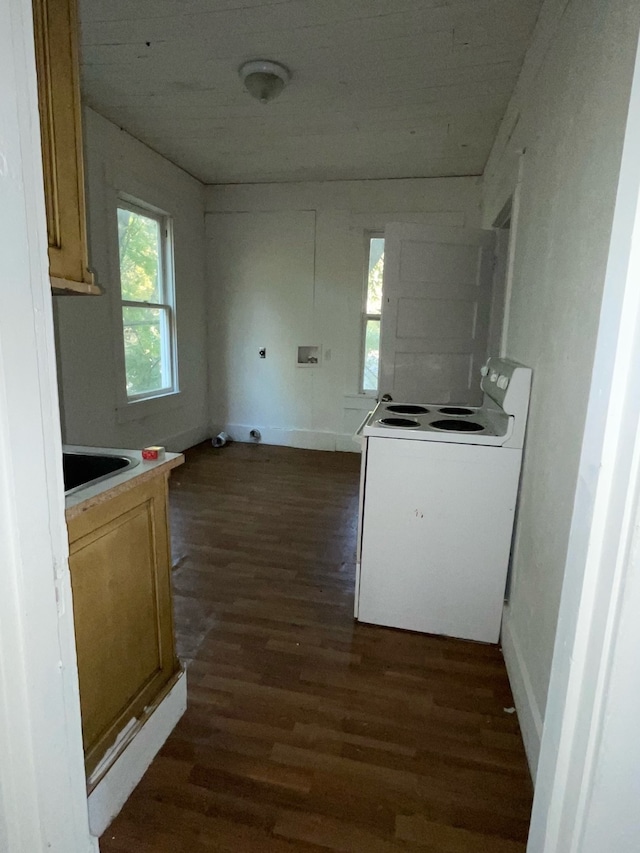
x: 374, y: 281
x: 371, y: 356
x: 139, y: 241
x: 146, y: 349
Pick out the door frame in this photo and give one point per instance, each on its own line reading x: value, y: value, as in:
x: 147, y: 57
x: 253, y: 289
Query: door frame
x: 587, y: 775
x: 43, y: 798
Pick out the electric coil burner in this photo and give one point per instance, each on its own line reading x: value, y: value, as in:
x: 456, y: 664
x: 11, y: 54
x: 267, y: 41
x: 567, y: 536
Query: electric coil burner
x: 455, y: 410
x: 457, y: 426
x: 407, y: 409
x: 399, y: 422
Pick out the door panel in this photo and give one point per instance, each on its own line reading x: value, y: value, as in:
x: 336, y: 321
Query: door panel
x: 447, y: 263
x: 445, y: 370
x: 436, y: 319
x: 436, y: 311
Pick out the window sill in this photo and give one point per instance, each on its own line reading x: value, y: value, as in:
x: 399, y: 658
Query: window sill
x: 361, y: 400
x: 136, y: 410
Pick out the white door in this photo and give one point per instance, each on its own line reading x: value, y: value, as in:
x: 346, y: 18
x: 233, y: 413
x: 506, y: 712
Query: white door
x: 436, y: 312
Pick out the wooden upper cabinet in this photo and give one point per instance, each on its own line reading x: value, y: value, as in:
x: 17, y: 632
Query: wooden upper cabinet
x: 56, y: 39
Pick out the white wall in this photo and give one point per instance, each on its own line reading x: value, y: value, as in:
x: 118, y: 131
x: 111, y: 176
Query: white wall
x: 568, y: 116
x: 89, y: 336
x: 286, y: 268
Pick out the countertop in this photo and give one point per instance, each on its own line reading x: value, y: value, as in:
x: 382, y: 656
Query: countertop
x: 85, y: 498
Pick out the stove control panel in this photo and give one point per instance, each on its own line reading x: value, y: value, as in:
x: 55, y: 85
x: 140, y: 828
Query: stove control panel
x: 507, y: 383
x: 499, y: 379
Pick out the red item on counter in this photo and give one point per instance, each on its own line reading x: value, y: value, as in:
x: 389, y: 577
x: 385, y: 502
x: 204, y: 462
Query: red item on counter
x: 151, y: 454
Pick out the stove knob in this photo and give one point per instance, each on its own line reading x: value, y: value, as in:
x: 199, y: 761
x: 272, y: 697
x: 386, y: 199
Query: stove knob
x: 493, y: 377
x: 503, y: 381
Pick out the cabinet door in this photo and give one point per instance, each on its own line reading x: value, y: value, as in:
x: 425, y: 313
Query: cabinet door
x: 120, y: 576
x: 56, y: 34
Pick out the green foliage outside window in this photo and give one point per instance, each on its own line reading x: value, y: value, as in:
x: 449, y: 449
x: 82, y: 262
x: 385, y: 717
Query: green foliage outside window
x: 371, y: 364
x: 145, y: 327
x: 376, y: 271
x: 371, y: 355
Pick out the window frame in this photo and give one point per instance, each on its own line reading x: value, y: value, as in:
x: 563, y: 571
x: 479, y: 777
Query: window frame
x: 366, y: 316
x: 167, y: 307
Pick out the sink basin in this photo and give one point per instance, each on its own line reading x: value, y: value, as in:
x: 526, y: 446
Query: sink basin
x: 83, y: 469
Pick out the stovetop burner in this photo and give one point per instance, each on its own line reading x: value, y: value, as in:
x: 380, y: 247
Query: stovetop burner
x: 398, y: 422
x: 455, y: 410
x: 453, y: 425
x: 407, y: 409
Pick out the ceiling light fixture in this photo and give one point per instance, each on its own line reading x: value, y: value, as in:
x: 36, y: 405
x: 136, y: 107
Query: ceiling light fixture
x: 263, y: 79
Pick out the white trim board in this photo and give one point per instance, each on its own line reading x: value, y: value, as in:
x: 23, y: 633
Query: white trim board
x: 587, y: 782
x: 43, y: 802
x: 304, y: 439
x: 529, y: 715
x: 115, y: 787
x: 184, y: 440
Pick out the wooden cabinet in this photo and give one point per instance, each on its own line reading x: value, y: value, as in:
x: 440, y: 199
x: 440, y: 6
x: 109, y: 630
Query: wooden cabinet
x: 120, y: 576
x: 56, y: 36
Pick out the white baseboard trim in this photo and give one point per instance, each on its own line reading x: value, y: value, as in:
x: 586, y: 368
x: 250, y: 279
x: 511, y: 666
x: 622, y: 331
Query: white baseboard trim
x: 346, y: 444
x: 113, y: 790
x: 529, y: 715
x: 302, y: 438
x: 183, y: 440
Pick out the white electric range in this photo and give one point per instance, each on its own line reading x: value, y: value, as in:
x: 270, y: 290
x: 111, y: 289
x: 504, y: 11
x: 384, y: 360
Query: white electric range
x: 439, y: 486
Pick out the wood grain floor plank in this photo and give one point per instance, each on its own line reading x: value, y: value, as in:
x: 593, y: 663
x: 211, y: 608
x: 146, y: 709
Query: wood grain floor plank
x: 448, y: 839
x: 331, y: 834
x: 306, y: 731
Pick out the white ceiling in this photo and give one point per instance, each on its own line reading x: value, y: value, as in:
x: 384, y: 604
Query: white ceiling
x: 379, y: 89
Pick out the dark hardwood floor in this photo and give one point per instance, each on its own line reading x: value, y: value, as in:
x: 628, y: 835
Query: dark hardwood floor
x: 306, y: 731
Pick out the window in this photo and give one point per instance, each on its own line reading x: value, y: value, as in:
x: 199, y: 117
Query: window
x: 146, y: 287
x: 371, y: 316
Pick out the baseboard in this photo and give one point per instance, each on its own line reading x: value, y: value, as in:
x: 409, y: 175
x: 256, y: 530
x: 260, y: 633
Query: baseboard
x: 301, y: 438
x: 183, y: 440
x: 115, y: 786
x: 529, y: 715
x: 346, y: 444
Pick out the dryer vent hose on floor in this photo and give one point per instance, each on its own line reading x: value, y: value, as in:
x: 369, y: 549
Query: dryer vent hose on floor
x: 220, y: 440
